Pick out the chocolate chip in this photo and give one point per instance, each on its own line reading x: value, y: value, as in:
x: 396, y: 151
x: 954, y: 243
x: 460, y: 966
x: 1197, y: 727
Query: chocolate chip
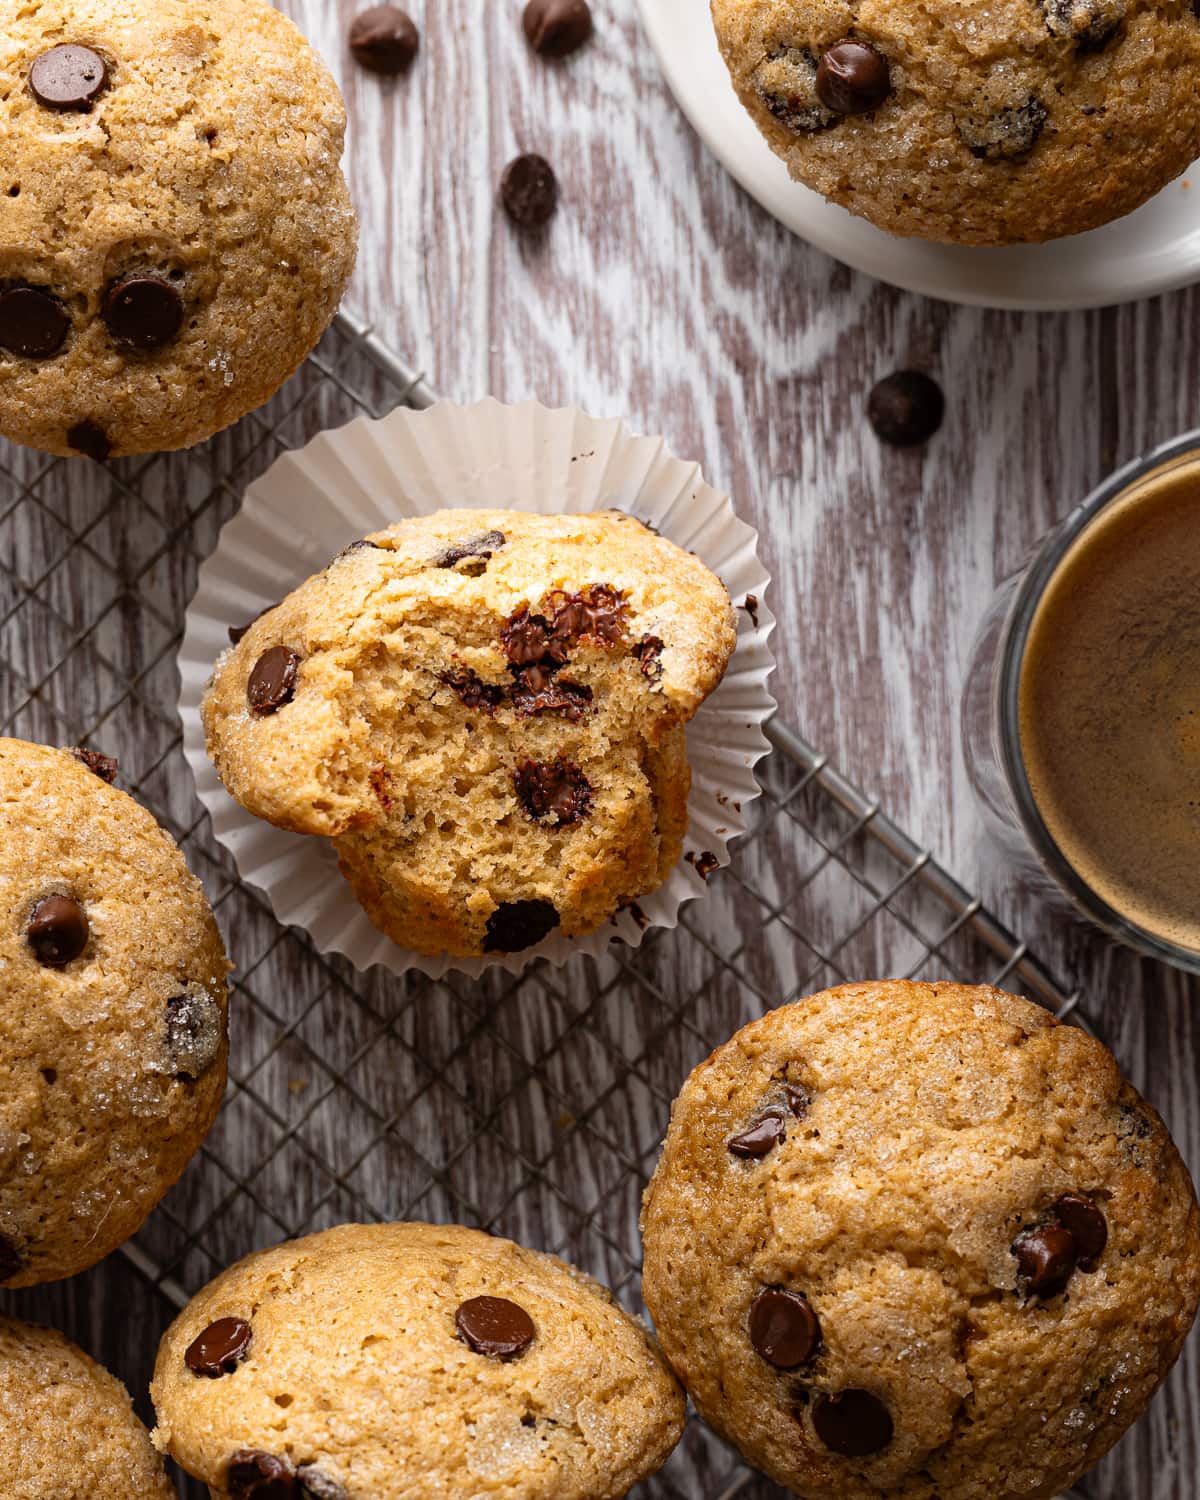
x: 260, y: 1476
x: 91, y: 440
x: 557, y: 791
x: 649, y: 652
x: 526, y: 639
x: 1086, y: 1225
x: 787, y: 85
x: 479, y: 546
x: 759, y: 1139
x: 12, y: 1262
x: 473, y: 691
x: 537, y: 691
x: 57, y: 931
x: 1046, y: 1256
x: 238, y: 633
x: 384, y: 39
x: 751, y: 607
x: 783, y: 1327
x: 529, y: 191
x: 906, y: 408
x: 517, y: 925
x: 853, y: 1423
x: 704, y: 864
x: 495, y: 1326
x: 104, y: 766
x: 1090, y: 24
x: 1006, y: 135
x: 195, y: 1032
x: 316, y: 1486
x: 220, y: 1348
x: 272, y: 683
x: 554, y: 28
x: 853, y: 78
x: 798, y: 1100
x: 598, y: 612
x: 68, y: 78
x: 33, y: 322
x: 143, y: 311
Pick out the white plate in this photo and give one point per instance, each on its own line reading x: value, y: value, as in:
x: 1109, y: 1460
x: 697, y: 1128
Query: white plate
x: 1150, y: 251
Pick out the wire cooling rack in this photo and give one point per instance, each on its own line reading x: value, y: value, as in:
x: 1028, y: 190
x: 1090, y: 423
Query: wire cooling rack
x: 532, y: 1106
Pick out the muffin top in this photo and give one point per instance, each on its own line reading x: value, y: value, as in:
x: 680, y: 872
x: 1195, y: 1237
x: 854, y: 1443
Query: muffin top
x: 175, y: 230
x: 919, y: 1240
x: 67, y: 1428
x: 978, y: 121
x: 408, y: 1362
x: 112, y: 1045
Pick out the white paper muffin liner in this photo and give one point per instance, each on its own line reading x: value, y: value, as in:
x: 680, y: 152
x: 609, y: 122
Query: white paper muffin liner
x: 368, y: 475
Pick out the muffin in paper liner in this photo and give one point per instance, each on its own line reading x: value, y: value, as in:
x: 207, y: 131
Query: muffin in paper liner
x: 371, y: 473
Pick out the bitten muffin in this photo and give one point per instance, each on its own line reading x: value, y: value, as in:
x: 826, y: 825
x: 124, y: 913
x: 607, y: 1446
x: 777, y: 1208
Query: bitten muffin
x: 408, y: 1362
x: 919, y: 1241
x: 984, y: 122
x: 175, y: 230
x: 485, y: 711
x: 67, y: 1428
x: 112, y: 1038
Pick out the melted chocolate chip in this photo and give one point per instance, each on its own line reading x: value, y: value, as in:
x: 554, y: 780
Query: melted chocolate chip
x: 317, y: 1486
x: 906, y: 408
x: 783, y: 1327
x: 272, y: 683
x: 597, y: 612
x: 479, y: 546
x: 495, y: 1326
x: 853, y: 1423
x: 220, y: 1348
x: 555, y: 28
x: 759, y: 1139
x: 238, y: 633
x: 90, y: 439
x: 557, y: 791
x: 195, y: 1032
x: 384, y: 39
x: 527, y: 641
x: 473, y: 691
x: 529, y: 191
x: 57, y: 931
x: 853, y: 78
x: 798, y: 1100
x: 517, y: 925
x: 260, y: 1476
x: 12, y: 1262
x: 1086, y: 1225
x: 33, y: 322
x: 68, y: 78
x: 649, y: 652
x: 536, y: 691
x: 104, y: 766
x: 144, y: 312
x: 1046, y: 1255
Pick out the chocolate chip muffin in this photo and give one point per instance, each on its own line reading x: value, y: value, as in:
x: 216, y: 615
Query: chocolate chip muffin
x: 919, y: 1241
x: 67, y: 1428
x: 408, y: 1362
x: 485, y: 711
x: 112, y: 1043
x: 176, y: 231
x: 981, y: 124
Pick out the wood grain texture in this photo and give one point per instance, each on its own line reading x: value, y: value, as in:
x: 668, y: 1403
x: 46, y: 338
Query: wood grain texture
x: 664, y: 294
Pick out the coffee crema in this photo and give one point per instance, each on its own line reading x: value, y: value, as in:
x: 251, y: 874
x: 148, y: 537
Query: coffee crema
x: 1110, y: 704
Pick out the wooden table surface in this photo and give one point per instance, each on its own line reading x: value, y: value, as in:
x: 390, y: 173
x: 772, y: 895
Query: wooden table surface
x: 661, y: 292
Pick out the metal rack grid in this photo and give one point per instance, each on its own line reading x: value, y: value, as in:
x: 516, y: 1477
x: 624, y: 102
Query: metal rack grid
x: 531, y: 1106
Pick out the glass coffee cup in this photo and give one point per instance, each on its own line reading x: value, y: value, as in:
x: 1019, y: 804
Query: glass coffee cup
x: 1081, y: 711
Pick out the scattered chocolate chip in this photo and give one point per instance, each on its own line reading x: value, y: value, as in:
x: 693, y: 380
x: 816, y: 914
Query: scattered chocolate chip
x: 636, y: 912
x: 556, y: 791
x: 853, y: 1423
x: 1090, y: 24
x: 799, y: 1102
x: 526, y: 639
x: 529, y: 191
x: 517, y: 925
x: 479, y: 546
x: 1046, y: 1255
x: 649, y: 652
x: 316, y: 1486
x: 759, y: 1139
x: 598, y: 612
x: 104, y: 766
x: 787, y: 85
x: 473, y: 691
x: 90, y: 439
x: 1007, y: 135
x: 384, y: 39
x: 495, y: 1326
x: 537, y: 691
x: 33, y: 322
x: 260, y: 1476
x: 783, y: 1327
x: 704, y: 864
x: 272, y: 683
x: 145, y: 312
x: 238, y: 633
x: 68, y: 78
x: 751, y: 608
x: 57, y: 931
x: 906, y: 408
x: 195, y: 1032
x: 853, y: 77
x: 555, y: 28
x: 12, y: 1262
x: 220, y: 1348
x: 1086, y: 1225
